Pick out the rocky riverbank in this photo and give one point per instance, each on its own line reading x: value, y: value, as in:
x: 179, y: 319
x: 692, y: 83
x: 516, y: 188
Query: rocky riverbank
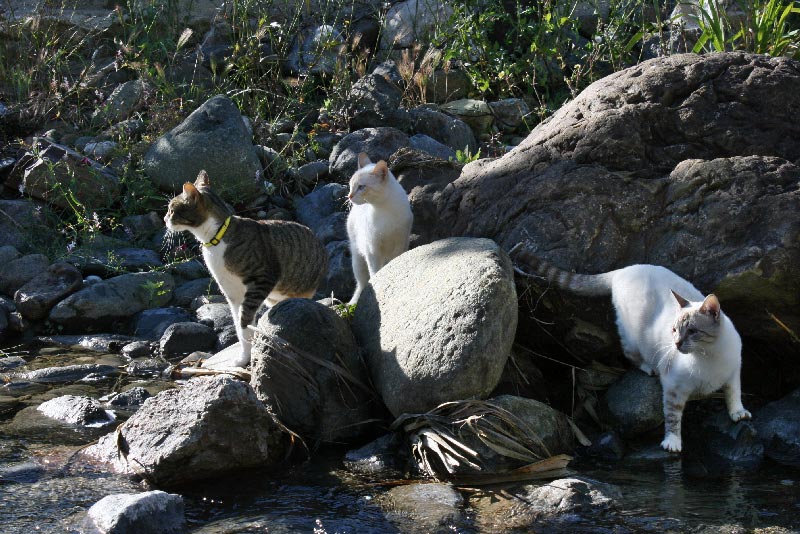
x: 453, y: 365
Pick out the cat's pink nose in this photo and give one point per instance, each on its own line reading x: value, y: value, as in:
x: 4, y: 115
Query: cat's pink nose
x: 350, y: 196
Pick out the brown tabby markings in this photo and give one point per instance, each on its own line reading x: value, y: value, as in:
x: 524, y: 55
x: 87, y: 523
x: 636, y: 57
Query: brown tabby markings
x: 255, y: 261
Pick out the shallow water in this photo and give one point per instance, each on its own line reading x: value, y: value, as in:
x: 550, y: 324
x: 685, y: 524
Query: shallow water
x: 42, y: 490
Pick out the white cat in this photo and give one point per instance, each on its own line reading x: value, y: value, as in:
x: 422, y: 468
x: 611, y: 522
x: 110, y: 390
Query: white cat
x: 667, y: 328
x: 379, y: 223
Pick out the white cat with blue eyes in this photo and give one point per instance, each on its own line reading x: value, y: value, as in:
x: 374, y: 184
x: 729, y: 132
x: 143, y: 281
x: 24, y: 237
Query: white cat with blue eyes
x: 379, y: 222
x: 667, y: 327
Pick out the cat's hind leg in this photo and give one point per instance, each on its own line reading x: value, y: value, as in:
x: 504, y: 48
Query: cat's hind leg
x: 360, y: 272
x: 733, y: 398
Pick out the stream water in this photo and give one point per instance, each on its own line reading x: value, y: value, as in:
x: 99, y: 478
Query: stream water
x: 42, y: 490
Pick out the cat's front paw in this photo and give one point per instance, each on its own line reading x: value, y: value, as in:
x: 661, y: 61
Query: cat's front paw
x: 671, y: 443
x: 740, y: 415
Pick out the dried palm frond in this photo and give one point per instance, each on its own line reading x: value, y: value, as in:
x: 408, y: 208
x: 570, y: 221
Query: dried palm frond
x: 553, y: 467
x: 448, y: 440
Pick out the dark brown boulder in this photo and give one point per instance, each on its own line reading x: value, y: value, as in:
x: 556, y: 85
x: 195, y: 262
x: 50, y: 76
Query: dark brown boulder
x: 690, y: 162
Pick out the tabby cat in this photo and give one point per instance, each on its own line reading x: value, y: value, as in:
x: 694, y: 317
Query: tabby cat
x: 379, y: 222
x: 667, y: 327
x: 252, y: 261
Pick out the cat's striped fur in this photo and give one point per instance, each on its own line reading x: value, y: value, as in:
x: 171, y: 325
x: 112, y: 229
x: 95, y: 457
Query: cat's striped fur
x: 254, y: 261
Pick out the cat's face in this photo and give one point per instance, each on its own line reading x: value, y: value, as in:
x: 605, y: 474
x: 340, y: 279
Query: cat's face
x: 368, y: 182
x: 696, y: 323
x: 188, y: 210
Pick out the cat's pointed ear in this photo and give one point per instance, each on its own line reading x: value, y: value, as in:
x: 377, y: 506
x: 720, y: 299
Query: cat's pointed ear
x: 363, y: 160
x: 381, y: 169
x: 711, y: 306
x: 191, y: 192
x: 202, y: 179
x: 682, y: 302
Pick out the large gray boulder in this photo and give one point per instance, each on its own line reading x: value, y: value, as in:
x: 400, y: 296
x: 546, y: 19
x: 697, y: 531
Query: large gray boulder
x: 117, y: 299
x: 308, y: 369
x: 688, y: 162
x: 151, y: 512
x: 213, y: 137
x: 436, y: 324
x: 212, y: 426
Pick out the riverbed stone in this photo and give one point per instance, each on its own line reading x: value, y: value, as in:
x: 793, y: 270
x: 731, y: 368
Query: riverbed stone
x: 67, y: 373
x: 429, y: 145
x: 633, y: 418
x: 186, y: 337
x: 339, y: 280
x: 60, y: 176
x: 26, y: 225
x: 107, y: 257
x: 76, y: 410
x: 476, y: 113
x: 432, y: 505
x: 436, y: 324
x: 714, y: 445
x: 116, y: 299
x: 378, y: 143
x: 509, y: 113
x: 151, y: 512
x: 413, y: 21
x: 307, y: 368
x: 444, y: 85
x: 130, y: 398
x: 778, y: 426
x: 16, y: 273
x: 378, y: 459
x: 138, y: 349
x: 213, y: 138
x: 373, y: 102
x: 185, y: 293
x: 448, y: 130
x: 316, y: 209
x: 151, y: 324
x: 35, y: 299
x: 215, y: 314
x: 210, y: 427
x: 535, y: 505
x: 122, y: 101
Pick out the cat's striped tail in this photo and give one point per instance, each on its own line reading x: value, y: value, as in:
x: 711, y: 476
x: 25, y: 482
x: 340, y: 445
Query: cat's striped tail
x: 588, y: 285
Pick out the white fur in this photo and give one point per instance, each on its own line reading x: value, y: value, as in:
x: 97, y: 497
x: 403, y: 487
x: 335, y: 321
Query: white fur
x: 379, y: 223
x: 646, y: 312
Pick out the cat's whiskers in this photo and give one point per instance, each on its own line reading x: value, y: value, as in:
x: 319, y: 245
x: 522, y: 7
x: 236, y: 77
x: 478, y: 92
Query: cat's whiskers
x: 664, y: 351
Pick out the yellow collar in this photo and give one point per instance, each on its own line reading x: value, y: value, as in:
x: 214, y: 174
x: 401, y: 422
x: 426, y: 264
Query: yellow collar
x: 221, y: 232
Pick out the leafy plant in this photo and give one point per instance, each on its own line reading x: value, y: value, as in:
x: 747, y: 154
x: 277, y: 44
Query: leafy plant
x: 767, y: 28
x: 465, y: 156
